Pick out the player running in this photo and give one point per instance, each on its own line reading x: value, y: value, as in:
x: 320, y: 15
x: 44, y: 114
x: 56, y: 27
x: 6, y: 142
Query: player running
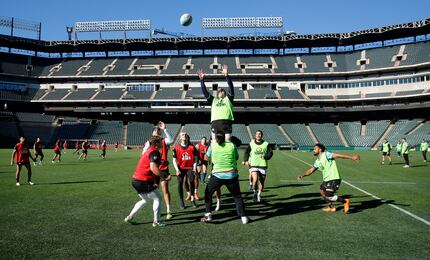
x: 65, y: 146
x: 331, y: 178
x: 37, y: 149
x: 224, y: 156
x: 164, y: 164
x: 57, y: 152
x: 405, y: 152
x: 424, y: 146
x: 222, y: 105
x: 77, y: 146
x: 103, y: 148
x: 145, y: 181
x: 185, y: 158
x: 386, y: 151
x: 116, y: 146
x: 84, y: 147
x: 256, y: 156
x: 21, y: 152
x: 399, y: 148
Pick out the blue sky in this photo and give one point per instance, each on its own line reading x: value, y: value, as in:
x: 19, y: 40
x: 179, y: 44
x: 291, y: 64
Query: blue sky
x: 312, y: 16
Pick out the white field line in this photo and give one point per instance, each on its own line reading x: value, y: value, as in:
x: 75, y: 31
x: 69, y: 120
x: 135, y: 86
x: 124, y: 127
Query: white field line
x: 373, y: 196
x: 363, y: 182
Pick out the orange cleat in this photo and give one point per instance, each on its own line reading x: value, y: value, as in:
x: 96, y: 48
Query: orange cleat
x: 329, y: 209
x: 346, y: 206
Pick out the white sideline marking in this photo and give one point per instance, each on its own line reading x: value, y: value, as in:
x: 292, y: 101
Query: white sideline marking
x: 373, y: 196
x: 364, y: 182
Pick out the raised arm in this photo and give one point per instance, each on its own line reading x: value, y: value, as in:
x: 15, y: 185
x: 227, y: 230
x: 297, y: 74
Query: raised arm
x: 205, y: 92
x: 230, y: 90
x: 169, y: 140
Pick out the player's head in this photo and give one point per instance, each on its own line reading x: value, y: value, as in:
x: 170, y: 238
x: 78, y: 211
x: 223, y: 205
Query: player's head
x: 258, y: 135
x: 221, y: 93
x: 220, y: 138
x: 403, y: 140
x: 318, y: 149
x: 204, y: 140
x: 21, y: 140
x: 184, y: 138
x: 385, y: 140
x: 155, y: 141
x: 86, y: 140
x: 38, y: 139
x: 156, y: 131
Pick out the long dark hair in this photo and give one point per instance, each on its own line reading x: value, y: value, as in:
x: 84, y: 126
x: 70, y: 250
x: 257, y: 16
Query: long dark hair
x: 220, y: 138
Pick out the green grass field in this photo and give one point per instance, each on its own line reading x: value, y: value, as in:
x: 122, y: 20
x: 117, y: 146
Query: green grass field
x: 76, y: 210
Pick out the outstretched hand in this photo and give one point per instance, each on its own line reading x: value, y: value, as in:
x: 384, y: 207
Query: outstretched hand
x: 356, y: 157
x: 201, y: 74
x: 225, y: 70
x: 161, y: 125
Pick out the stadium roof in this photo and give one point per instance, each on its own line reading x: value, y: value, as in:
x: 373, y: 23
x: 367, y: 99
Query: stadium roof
x: 223, y: 42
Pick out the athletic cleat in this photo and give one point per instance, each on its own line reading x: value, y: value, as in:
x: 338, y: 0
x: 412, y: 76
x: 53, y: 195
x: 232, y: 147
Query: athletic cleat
x: 245, y: 220
x: 329, y: 209
x: 206, y: 218
x: 159, y: 224
x: 40, y: 163
x: 52, y: 161
x: 188, y: 197
x: 254, y: 198
x: 406, y: 166
x: 31, y: 183
x: 17, y: 184
x: 346, y: 206
x: 382, y: 163
x: 130, y: 220
x: 34, y: 163
x: 196, y: 196
x: 169, y: 216
x: 193, y: 204
x: 258, y: 198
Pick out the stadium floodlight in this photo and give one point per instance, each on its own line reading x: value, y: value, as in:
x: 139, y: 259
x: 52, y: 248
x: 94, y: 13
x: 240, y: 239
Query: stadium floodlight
x: 20, y: 24
x: 104, y: 26
x: 242, y: 22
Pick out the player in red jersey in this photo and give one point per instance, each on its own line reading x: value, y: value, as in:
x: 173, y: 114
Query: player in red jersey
x: 65, y: 146
x: 202, y: 166
x: 57, y: 151
x: 116, y: 146
x: 77, y: 146
x: 185, y: 158
x: 145, y: 181
x: 103, y: 148
x: 21, y: 152
x: 37, y: 149
x: 164, y: 165
x: 85, y: 147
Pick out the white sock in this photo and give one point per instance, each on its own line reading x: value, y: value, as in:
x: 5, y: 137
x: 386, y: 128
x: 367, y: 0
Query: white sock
x: 168, y: 208
x: 188, y: 193
x: 259, y: 192
x: 192, y: 198
x: 156, y: 206
x: 140, y: 204
x: 195, y: 191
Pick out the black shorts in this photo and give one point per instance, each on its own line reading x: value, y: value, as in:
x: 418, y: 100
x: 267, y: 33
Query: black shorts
x: 386, y: 153
x: 57, y: 152
x: 38, y: 153
x: 333, y: 185
x: 164, y: 173
x: 222, y: 126
x: 143, y: 186
x: 26, y: 164
x: 85, y: 151
x: 203, y: 162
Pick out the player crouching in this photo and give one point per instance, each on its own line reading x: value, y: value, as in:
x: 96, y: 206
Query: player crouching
x: 331, y: 178
x: 144, y: 181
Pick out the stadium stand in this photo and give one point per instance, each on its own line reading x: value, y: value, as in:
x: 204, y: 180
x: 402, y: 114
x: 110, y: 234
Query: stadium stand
x: 376, y: 95
x: 271, y: 132
x: 416, y: 53
x: 326, y: 134
x: 175, y: 66
x: 261, y: 93
x: 400, y: 129
x: 138, y: 133
x: 107, y: 130
x: 73, y: 131
x: 56, y: 94
x: 109, y: 93
x: 168, y: 93
x: 34, y: 117
x: 286, y: 64
x: 197, y: 131
x: 231, y: 63
x: 423, y: 132
x: 96, y: 67
x: 348, y: 96
x: 138, y: 95
x: 69, y: 67
x: 298, y: 133
x: 374, y: 130
x: 81, y: 94
x: 203, y: 63
x: 351, y: 132
x: 315, y: 63
x: 381, y: 57
x: 120, y: 67
x: 409, y: 92
x: 290, y: 94
x: 195, y: 93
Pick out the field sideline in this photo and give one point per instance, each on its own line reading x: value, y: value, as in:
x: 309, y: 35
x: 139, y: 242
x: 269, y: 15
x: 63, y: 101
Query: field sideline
x: 76, y: 210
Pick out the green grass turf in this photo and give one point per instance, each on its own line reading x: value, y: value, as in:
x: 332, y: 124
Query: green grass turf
x: 76, y: 210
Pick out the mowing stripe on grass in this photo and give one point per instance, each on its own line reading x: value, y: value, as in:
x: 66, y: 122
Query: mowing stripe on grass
x: 365, y: 182
x: 373, y: 196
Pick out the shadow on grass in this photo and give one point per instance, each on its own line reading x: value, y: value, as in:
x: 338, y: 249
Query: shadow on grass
x: 68, y: 182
